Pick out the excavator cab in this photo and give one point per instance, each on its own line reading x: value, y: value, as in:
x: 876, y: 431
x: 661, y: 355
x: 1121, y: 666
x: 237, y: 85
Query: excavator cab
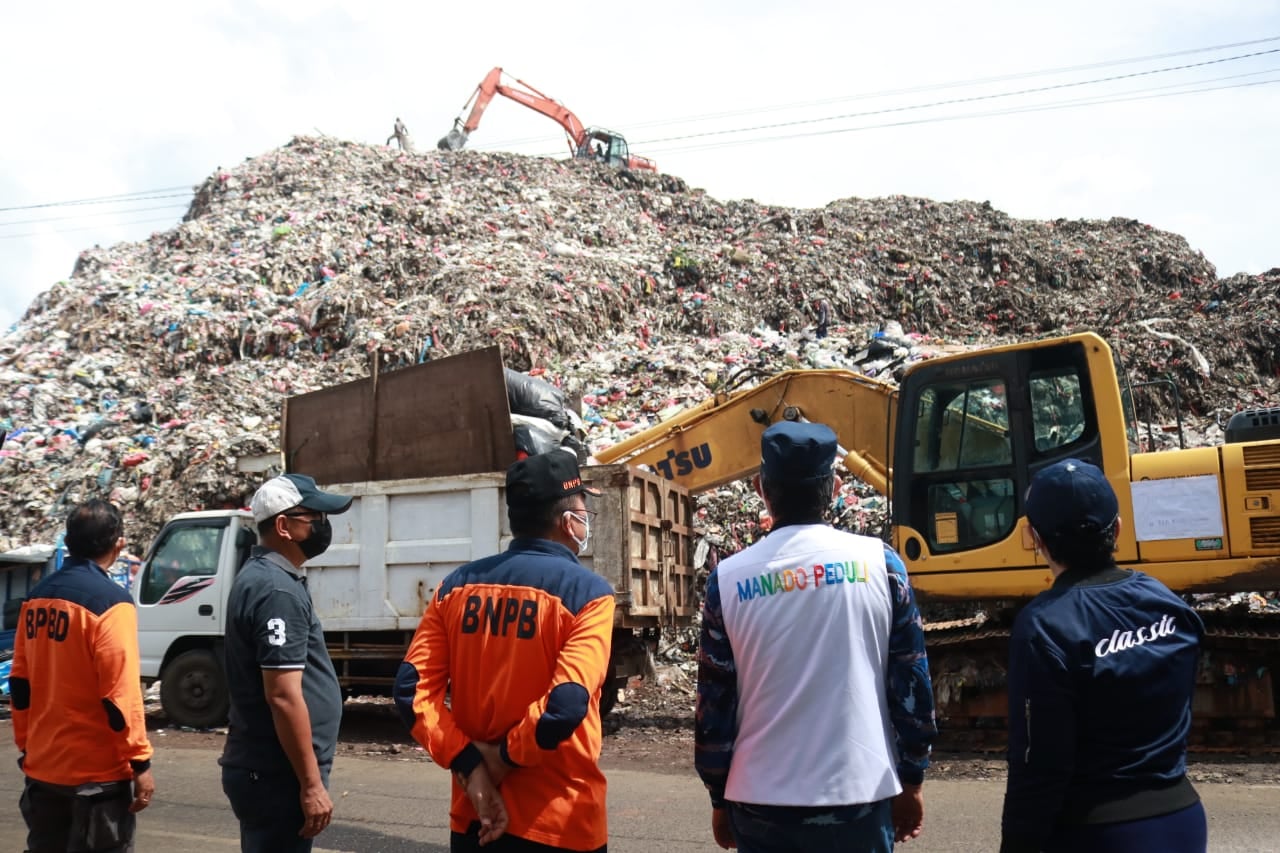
x: 604, y: 146
x: 972, y: 434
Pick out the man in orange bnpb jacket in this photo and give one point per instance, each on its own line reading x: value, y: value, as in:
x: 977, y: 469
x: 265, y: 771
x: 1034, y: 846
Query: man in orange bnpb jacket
x: 522, y: 639
x: 78, y: 718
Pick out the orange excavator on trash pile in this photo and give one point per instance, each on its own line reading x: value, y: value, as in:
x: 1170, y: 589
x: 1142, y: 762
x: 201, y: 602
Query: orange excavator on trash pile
x: 585, y: 143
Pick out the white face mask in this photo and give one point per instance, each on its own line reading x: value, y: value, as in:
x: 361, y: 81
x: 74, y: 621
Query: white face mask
x: 586, y: 525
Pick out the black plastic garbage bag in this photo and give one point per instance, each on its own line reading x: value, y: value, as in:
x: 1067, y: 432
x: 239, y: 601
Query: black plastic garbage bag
x: 527, y: 395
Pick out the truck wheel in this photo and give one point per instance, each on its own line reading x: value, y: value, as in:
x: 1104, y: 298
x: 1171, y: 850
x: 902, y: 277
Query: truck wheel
x: 193, y: 690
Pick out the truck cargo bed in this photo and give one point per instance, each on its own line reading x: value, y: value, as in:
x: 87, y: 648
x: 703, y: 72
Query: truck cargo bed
x: 401, y: 538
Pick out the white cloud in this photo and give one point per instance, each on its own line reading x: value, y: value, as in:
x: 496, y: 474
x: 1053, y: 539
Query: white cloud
x: 144, y: 95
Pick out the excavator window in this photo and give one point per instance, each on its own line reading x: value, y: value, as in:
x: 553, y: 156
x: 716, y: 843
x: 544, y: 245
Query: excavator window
x: 962, y: 426
x: 970, y: 513
x: 618, y: 153
x: 961, y: 429
x: 1057, y: 409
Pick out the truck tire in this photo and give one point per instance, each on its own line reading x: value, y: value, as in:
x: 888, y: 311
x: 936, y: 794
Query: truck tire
x: 193, y: 690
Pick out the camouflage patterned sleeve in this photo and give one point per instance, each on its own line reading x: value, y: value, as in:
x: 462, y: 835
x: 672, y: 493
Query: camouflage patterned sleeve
x: 715, y: 726
x: 909, y: 689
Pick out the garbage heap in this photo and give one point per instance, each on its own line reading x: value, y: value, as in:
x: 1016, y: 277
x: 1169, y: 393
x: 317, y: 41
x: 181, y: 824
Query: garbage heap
x: 158, y: 367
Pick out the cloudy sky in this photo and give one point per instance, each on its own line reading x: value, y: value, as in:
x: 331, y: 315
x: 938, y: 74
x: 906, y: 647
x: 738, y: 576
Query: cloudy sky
x: 796, y: 103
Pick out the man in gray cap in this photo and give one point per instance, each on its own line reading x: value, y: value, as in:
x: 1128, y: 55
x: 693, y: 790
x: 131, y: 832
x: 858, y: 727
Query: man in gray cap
x: 814, y: 710
x: 285, y: 700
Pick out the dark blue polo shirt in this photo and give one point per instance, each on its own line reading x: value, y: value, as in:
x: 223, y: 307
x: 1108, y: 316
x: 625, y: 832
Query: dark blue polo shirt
x: 271, y: 624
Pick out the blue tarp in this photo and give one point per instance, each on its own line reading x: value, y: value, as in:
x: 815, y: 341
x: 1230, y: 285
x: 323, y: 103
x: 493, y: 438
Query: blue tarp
x: 6, y: 644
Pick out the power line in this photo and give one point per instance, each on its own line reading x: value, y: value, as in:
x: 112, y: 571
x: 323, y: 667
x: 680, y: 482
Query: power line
x: 105, y: 227
x: 1015, y: 110
x: 977, y: 81
x: 1090, y: 100
x: 966, y: 100
x: 1118, y: 97
x: 1142, y: 96
x: 106, y: 199
x: 98, y: 213
x: 941, y: 103
x: 1096, y: 101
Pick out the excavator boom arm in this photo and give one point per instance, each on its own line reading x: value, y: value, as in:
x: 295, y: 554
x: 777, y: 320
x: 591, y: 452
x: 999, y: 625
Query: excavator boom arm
x: 522, y: 93
x: 718, y: 441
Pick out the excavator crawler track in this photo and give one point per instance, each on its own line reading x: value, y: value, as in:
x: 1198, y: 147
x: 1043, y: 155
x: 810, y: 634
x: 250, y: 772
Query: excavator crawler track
x: 1233, y: 709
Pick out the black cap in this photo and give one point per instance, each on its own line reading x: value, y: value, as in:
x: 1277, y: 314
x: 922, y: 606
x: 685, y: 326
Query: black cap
x: 545, y: 478
x: 792, y: 452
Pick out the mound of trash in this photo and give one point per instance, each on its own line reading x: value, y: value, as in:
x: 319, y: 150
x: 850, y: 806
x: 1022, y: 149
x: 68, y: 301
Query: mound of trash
x: 158, y: 368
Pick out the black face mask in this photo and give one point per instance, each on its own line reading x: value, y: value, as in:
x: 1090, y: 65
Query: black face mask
x: 318, y: 542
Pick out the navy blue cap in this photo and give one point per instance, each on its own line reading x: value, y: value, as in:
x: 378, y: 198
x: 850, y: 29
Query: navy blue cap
x: 792, y: 452
x: 1071, y: 496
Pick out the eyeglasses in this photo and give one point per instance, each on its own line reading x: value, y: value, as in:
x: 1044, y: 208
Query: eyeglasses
x: 309, y: 514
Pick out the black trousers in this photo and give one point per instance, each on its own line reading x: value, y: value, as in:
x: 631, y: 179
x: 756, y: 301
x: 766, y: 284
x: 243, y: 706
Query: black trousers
x: 92, y: 818
x: 469, y: 842
x: 269, y: 809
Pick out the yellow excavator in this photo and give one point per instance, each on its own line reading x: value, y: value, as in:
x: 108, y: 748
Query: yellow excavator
x: 954, y: 447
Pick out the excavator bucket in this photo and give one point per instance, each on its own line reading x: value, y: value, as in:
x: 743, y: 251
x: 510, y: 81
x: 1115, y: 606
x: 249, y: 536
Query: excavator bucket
x: 454, y: 140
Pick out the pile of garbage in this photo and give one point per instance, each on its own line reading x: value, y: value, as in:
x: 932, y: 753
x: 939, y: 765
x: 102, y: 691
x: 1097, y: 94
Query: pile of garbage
x: 157, y: 367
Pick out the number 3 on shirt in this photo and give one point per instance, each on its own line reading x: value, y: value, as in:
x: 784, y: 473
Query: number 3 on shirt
x: 276, y: 627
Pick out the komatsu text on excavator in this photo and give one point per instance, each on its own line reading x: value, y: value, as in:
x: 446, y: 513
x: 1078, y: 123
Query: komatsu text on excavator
x: 954, y: 448
x: 585, y: 143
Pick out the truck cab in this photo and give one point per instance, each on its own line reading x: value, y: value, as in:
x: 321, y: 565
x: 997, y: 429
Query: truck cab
x: 181, y: 592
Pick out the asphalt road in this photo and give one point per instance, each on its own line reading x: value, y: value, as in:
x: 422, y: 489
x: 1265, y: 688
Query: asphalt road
x: 385, y: 805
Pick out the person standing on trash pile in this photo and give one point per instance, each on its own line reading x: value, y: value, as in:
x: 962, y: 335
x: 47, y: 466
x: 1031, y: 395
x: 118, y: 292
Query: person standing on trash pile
x: 822, y: 310
x: 520, y: 644
x: 401, y: 135
x: 78, y: 719
x: 285, y: 700
x: 1101, y: 672
x: 814, y: 709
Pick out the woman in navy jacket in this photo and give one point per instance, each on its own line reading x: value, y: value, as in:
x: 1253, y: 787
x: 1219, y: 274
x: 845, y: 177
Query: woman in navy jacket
x: 1102, y: 668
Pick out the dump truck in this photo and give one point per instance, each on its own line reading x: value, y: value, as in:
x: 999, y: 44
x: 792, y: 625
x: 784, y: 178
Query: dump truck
x: 403, y: 535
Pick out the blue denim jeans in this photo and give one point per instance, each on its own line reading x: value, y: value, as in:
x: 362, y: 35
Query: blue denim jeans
x: 866, y: 829
x: 269, y: 808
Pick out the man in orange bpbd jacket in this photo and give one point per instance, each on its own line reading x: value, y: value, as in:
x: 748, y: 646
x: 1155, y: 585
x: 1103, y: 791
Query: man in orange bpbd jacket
x: 521, y: 640
x: 78, y: 718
